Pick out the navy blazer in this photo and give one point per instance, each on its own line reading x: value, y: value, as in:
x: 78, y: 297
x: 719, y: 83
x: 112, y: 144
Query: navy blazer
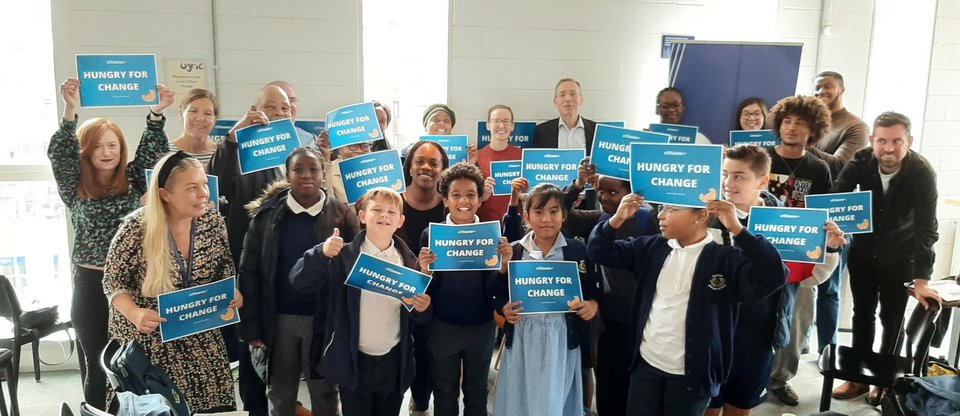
x: 337, y: 356
x: 545, y: 134
x: 724, y: 276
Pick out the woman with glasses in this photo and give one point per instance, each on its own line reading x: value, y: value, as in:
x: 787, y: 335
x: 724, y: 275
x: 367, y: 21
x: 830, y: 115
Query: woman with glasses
x: 500, y: 125
x: 671, y: 109
x: 685, y: 306
x: 331, y: 169
x: 751, y: 114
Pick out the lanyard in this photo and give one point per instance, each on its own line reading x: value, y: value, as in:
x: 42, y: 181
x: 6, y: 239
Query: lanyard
x: 186, y: 268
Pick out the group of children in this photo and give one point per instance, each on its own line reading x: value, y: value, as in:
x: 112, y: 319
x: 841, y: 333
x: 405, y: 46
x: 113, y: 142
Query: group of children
x: 668, y: 282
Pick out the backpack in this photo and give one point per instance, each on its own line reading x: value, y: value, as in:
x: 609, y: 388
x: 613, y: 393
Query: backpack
x: 137, y: 375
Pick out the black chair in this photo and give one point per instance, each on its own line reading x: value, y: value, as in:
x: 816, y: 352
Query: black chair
x: 88, y: 410
x: 6, y: 363
x: 65, y: 410
x: 15, y: 335
x: 844, y: 363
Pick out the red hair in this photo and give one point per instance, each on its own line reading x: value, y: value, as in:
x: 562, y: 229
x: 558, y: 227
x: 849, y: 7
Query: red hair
x: 90, y: 186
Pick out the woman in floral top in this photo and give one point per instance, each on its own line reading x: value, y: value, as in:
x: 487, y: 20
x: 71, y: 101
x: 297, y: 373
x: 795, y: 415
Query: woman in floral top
x: 99, y: 187
x: 172, y: 243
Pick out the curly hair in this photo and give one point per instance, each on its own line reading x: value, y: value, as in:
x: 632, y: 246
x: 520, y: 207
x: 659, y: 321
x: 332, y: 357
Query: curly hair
x: 815, y: 112
x: 462, y: 170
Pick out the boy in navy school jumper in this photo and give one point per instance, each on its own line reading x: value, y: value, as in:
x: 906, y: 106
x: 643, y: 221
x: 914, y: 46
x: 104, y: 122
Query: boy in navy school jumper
x: 367, y: 349
x: 532, y: 382
x: 463, y: 332
x: 275, y: 316
x: 685, y: 307
x: 766, y: 324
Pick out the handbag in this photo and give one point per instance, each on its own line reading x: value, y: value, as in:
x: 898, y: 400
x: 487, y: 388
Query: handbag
x: 137, y: 375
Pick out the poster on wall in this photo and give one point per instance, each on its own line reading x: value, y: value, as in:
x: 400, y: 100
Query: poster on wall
x: 184, y: 74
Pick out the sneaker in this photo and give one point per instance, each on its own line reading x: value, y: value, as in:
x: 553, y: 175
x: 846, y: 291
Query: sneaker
x: 850, y: 390
x: 786, y: 395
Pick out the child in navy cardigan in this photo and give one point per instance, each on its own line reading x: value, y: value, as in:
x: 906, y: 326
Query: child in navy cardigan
x: 684, y: 309
x: 462, y: 330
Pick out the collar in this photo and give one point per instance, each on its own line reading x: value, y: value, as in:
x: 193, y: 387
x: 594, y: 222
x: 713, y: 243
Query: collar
x: 370, y: 248
x: 674, y: 244
x: 531, y: 246
x: 579, y: 123
x: 476, y: 219
x: 313, y: 210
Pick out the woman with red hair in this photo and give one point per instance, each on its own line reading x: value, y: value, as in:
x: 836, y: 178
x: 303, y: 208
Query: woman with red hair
x: 99, y: 187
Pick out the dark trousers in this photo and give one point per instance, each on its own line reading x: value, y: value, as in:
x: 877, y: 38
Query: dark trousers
x: 89, y: 314
x: 453, y: 347
x: 253, y: 392
x: 870, y: 285
x: 654, y: 392
x: 613, y: 369
x: 828, y: 303
x: 377, y: 392
x: 422, y: 385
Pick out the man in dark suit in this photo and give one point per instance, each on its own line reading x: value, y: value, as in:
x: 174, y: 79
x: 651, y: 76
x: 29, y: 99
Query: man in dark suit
x: 569, y: 131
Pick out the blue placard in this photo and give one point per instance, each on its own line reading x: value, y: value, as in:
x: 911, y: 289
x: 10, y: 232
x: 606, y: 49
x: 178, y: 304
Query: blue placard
x: 556, y: 166
x: 797, y: 233
x: 611, y: 149
x: 387, y: 279
x: 683, y: 175
x: 544, y: 286
x: 678, y: 133
x: 220, y: 130
x: 197, y: 309
x: 455, y: 146
x: 852, y: 211
x: 611, y: 123
x: 762, y: 138
x: 263, y: 147
x: 373, y: 170
x: 465, y: 247
x: 117, y: 80
x: 522, y: 136
x: 313, y: 127
x: 504, y: 172
x: 353, y: 124
x: 213, y: 182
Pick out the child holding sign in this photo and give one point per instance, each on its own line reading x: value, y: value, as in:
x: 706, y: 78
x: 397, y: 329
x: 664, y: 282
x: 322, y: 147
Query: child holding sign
x: 462, y: 330
x: 684, y: 310
x: 764, y: 327
x: 367, y: 347
x: 541, y: 369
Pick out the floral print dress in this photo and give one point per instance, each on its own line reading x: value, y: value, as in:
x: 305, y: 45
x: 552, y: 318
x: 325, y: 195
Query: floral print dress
x: 198, y: 363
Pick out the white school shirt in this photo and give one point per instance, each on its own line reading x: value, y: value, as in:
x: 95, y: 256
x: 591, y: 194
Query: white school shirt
x: 664, y: 336
x: 572, y: 139
x: 379, y: 315
x: 312, y: 211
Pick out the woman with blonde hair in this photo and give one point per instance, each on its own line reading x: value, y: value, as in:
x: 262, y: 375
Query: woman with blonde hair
x: 99, y: 187
x: 172, y: 243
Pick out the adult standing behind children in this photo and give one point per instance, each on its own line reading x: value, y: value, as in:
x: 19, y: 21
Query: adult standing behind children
x: 99, y: 187
x: 199, y: 112
x: 276, y: 316
x: 500, y: 125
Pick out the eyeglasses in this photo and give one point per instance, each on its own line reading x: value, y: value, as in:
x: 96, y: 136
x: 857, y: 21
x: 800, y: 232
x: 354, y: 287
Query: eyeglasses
x: 753, y: 114
x: 359, y: 147
x: 501, y: 122
x: 670, y: 106
x: 668, y: 210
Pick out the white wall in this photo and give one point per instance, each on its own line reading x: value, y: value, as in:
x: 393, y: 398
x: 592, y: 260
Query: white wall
x: 513, y: 51
x: 313, y: 44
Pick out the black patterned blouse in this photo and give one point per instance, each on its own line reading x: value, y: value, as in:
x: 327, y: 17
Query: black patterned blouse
x: 96, y: 220
x: 198, y: 364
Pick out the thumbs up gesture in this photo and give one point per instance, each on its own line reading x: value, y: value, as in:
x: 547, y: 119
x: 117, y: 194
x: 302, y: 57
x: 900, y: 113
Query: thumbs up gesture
x: 333, y: 245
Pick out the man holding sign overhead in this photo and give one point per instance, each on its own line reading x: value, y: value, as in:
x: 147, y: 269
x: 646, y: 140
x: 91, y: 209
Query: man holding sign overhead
x: 900, y: 249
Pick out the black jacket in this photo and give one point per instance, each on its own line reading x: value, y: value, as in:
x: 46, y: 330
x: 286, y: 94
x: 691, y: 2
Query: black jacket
x: 904, y: 218
x: 257, y: 274
x: 545, y: 134
x: 336, y: 357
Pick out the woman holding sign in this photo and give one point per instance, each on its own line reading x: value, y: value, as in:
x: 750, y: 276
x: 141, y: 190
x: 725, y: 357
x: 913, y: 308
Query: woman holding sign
x: 541, y: 370
x: 173, y: 243
x: 99, y: 187
x: 199, y: 112
x: 751, y: 114
x: 500, y: 125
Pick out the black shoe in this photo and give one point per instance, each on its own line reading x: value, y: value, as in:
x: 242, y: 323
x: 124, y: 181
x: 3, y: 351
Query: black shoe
x: 786, y: 395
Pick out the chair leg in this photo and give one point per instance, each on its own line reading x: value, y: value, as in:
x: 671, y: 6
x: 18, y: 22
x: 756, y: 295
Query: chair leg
x: 35, y: 344
x: 825, y: 393
x: 3, y: 402
x: 13, y: 374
